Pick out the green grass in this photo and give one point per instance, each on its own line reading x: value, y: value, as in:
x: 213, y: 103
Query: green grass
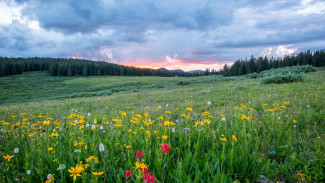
x: 282, y: 137
x: 99, y: 82
x: 38, y: 86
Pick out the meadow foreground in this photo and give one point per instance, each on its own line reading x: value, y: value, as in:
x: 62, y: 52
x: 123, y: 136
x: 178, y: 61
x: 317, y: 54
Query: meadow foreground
x: 219, y: 131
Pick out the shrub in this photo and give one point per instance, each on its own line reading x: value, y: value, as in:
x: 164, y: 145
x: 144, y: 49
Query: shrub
x: 240, y: 87
x: 286, y: 70
x: 254, y: 75
x: 183, y: 83
x: 283, y: 78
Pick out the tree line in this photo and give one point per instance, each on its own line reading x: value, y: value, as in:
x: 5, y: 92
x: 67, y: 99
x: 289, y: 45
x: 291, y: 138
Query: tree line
x: 78, y: 67
x: 257, y: 65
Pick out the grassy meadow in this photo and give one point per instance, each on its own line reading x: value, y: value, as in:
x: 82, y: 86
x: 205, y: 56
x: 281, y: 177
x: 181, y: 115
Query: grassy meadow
x: 205, y: 129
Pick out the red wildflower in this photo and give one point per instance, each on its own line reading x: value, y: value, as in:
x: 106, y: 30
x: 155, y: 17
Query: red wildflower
x: 144, y: 170
x: 165, y: 148
x: 127, y: 174
x: 139, y: 154
x: 148, y: 179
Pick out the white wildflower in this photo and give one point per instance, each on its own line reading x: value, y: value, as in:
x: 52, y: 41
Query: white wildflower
x: 61, y: 167
x: 209, y: 103
x: 101, y: 147
x: 28, y: 172
x: 16, y: 150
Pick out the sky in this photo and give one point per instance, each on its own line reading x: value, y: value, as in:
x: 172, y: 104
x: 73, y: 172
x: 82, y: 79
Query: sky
x: 174, y: 34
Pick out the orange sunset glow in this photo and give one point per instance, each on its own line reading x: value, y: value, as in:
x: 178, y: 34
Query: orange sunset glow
x: 181, y: 66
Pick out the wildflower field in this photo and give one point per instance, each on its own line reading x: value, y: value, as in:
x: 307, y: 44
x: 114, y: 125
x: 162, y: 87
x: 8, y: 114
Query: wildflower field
x: 237, y: 130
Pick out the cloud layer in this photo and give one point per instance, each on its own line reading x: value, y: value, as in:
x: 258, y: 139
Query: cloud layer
x: 161, y: 33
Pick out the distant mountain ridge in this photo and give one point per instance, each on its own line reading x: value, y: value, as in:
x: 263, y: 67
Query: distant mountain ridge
x: 179, y: 70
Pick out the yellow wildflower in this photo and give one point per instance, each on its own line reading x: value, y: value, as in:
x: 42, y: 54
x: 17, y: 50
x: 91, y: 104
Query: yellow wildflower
x: 92, y: 158
x: 234, y: 138
x: 140, y: 166
x: 148, y: 133
x: 46, y: 122
x: 54, y: 135
x: 7, y: 157
x: 50, y: 179
x: 223, y: 139
x: 75, y: 172
x: 98, y: 173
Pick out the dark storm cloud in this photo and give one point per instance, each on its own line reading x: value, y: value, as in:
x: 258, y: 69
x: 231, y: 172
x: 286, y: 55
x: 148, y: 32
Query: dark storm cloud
x: 88, y: 16
x: 126, y: 31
